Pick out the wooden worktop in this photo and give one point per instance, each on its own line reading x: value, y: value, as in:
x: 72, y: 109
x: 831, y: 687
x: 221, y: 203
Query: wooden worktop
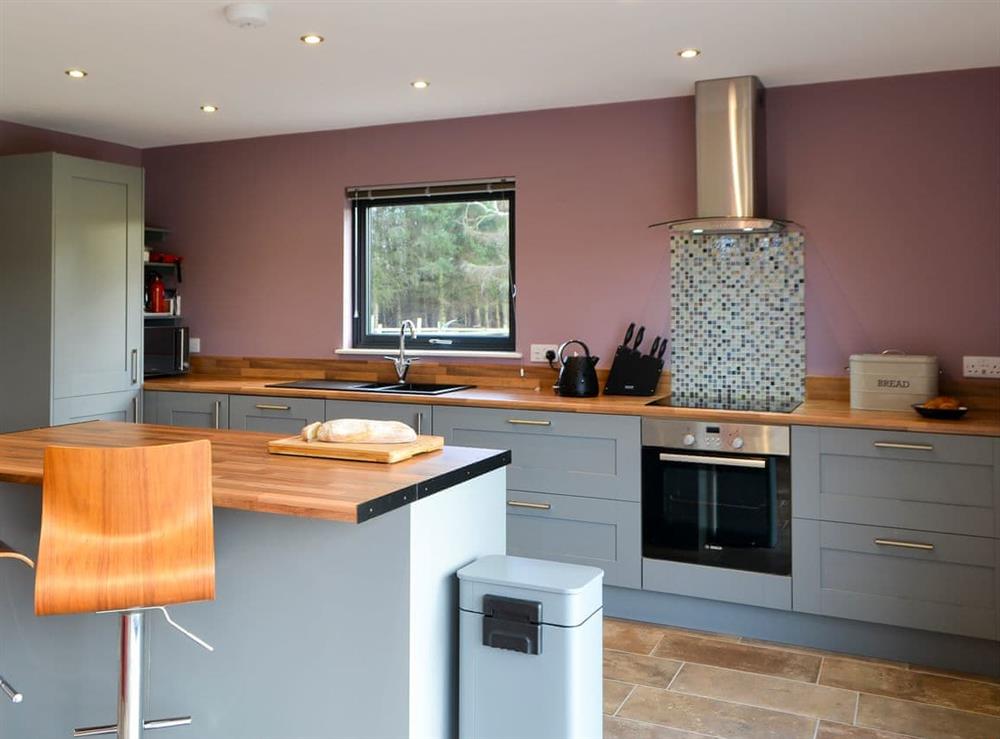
x: 819, y: 412
x: 245, y: 476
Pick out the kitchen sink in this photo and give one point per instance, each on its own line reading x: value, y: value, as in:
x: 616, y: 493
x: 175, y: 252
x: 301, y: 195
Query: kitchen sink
x: 404, y: 388
x: 417, y: 388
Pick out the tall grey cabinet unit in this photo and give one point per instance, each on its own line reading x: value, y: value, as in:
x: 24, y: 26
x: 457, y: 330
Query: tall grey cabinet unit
x: 71, y: 241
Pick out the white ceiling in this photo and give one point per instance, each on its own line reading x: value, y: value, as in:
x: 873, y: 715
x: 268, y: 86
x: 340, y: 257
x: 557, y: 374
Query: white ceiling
x: 152, y: 63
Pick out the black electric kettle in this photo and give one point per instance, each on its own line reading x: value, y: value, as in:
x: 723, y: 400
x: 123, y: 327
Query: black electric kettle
x: 577, y: 376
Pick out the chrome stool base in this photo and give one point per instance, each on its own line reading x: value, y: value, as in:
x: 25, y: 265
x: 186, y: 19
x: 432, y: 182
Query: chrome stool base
x: 130, y: 681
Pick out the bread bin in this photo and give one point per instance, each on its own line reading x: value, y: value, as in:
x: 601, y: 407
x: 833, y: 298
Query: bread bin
x: 892, y: 381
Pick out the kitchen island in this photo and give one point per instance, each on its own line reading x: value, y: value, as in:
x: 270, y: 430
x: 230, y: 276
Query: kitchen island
x: 336, y: 597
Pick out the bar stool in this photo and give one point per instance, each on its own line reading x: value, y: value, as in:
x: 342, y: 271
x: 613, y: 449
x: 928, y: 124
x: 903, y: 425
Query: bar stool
x: 6, y: 552
x: 126, y: 531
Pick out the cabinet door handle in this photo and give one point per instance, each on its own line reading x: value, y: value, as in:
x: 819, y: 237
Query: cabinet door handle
x: 135, y: 366
x: 135, y: 410
x: 904, y: 544
x: 526, y: 504
x: 216, y: 412
x: 420, y: 423
x: 901, y: 445
x: 273, y: 407
x: 528, y: 422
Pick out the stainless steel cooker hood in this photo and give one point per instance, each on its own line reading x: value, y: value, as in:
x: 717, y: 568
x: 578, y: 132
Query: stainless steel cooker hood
x: 729, y: 129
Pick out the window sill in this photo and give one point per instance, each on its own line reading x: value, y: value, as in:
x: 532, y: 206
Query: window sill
x: 430, y: 353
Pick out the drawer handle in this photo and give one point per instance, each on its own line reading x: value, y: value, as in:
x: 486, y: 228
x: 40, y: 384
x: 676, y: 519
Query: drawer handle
x: 528, y: 422
x: 273, y: 407
x: 526, y: 504
x: 900, y: 445
x: 904, y: 544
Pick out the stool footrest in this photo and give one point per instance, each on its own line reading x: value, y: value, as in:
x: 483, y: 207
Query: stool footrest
x: 160, y: 723
x: 8, y: 552
x: 10, y: 691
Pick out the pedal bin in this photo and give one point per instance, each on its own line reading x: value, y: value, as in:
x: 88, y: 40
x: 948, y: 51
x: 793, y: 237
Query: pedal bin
x: 530, y: 649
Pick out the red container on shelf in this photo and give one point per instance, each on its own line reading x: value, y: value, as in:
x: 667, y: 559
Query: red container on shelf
x: 157, y: 296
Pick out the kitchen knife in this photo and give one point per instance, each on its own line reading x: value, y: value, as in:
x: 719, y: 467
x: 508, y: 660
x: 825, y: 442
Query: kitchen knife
x: 628, y: 336
x: 654, y: 347
x: 638, y: 338
x: 663, y: 349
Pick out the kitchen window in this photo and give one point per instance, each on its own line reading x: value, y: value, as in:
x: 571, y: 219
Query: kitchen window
x: 440, y: 255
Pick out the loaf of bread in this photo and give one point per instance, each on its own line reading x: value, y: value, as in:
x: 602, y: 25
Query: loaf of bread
x: 359, y: 430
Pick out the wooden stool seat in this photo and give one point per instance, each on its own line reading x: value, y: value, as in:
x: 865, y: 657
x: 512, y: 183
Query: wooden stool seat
x: 126, y: 530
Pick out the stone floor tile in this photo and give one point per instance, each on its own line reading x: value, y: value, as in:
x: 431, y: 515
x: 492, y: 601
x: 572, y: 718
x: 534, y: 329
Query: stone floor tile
x: 615, y: 694
x: 713, y: 717
x: 737, y: 656
x: 638, y: 669
x: 763, y: 691
x: 924, y: 721
x: 923, y: 687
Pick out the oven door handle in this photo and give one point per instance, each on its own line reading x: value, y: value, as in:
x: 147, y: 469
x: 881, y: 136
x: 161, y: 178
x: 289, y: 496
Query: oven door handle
x: 717, y: 461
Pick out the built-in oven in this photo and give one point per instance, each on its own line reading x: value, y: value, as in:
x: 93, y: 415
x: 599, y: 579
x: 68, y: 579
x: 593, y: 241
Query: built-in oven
x: 717, y: 494
x: 165, y: 350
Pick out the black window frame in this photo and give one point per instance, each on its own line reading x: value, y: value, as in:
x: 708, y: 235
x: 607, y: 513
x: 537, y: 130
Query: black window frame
x: 362, y: 339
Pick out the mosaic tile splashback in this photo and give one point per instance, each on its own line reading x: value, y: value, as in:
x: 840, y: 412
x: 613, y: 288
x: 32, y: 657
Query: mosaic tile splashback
x: 738, y: 331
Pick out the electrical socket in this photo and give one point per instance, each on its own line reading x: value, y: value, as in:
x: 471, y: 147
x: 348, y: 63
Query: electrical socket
x: 538, y: 351
x: 194, y: 345
x: 981, y: 367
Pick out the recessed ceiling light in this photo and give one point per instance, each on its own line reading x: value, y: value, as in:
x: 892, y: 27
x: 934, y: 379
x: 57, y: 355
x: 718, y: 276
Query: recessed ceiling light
x: 748, y: 229
x: 689, y: 53
x: 312, y: 39
x: 77, y: 74
x: 420, y: 84
x: 209, y: 108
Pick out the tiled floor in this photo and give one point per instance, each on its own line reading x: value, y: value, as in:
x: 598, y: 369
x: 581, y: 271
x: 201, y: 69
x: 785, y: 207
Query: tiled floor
x: 663, y: 683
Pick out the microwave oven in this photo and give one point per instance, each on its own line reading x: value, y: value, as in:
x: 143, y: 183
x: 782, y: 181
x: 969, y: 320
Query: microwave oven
x: 166, y: 351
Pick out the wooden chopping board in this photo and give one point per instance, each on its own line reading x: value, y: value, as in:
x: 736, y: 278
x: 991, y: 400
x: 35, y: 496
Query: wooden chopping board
x: 384, y: 453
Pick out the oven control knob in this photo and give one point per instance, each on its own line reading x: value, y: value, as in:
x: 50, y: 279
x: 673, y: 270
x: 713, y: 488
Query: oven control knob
x: 688, y: 440
x: 737, y: 442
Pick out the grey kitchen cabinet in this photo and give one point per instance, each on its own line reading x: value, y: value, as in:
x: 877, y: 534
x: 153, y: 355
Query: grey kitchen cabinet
x: 586, y: 531
x: 897, y: 528
x: 124, y: 406
x: 925, y: 482
x: 284, y: 416
x: 71, y: 241
x: 938, y: 582
x: 581, y: 454
x: 572, y: 487
x: 416, y: 415
x: 200, y: 410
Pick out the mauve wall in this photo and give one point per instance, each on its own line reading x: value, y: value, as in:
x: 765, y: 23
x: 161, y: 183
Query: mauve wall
x: 18, y: 139
x: 897, y: 181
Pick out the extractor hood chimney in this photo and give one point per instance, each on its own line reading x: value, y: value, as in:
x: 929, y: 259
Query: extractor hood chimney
x: 729, y: 130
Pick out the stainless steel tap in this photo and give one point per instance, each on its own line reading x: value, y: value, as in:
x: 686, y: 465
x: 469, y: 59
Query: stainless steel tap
x: 402, y: 362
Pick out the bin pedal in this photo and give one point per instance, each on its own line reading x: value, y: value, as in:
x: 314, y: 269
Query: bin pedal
x: 512, y: 624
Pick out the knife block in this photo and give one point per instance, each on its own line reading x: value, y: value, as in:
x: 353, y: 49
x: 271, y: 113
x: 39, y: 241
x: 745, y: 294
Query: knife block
x: 633, y: 373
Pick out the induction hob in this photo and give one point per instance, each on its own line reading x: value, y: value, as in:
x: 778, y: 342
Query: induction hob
x: 730, y: 402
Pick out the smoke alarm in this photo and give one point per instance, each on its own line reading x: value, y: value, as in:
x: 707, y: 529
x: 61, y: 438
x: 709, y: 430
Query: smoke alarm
x: 248, y: 15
